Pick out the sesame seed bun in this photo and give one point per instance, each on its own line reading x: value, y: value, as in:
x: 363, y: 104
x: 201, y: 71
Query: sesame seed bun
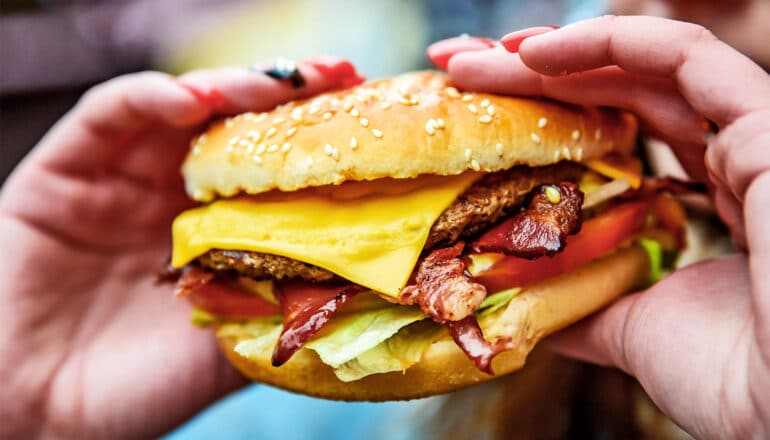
x: 401, y: 127
x: 538, y: 311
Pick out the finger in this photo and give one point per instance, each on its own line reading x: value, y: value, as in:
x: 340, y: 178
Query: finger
x: 757, y: 212
x: 693, y: 317
x: 92, y: 135
x: 654, y: 99
x: 440, y: 52
x: 716, y: 80
x: 739, y: 153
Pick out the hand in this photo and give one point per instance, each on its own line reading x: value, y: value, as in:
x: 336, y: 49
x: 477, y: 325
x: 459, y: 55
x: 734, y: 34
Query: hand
x: 698, y: 341
x: 91, y: 346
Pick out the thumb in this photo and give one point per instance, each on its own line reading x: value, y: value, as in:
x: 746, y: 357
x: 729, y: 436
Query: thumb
x: 683, y: 339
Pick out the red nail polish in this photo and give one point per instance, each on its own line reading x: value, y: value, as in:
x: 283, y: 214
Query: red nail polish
x: 338, y: 70
x: 442, y: 51
x: 512, y: 41
x: 212, y: 97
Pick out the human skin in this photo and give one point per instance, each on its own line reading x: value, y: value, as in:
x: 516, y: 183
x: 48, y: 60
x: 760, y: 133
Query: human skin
x: 699, y: 340
x: 91, y: 346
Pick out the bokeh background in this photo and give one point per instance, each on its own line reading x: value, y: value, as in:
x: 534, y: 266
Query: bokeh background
x: 51, y: 51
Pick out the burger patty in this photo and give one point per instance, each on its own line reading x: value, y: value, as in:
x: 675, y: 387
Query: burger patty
x: 489, y: 199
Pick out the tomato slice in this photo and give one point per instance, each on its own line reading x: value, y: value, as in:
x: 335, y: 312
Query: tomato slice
x: 598, y: 236
x: 229, y: 300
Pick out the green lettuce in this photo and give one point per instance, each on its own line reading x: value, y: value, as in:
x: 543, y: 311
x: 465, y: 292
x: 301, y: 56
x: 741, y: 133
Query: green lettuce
x: 347, y: 336
x: 497, y: 300
x: 396, y: 353
x: 655, y: 254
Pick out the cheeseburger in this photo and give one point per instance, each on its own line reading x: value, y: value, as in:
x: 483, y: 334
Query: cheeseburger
x: 403, y: 238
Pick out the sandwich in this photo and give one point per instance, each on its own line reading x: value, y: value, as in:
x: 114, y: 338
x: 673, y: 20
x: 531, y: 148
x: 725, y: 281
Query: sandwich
x: 404, y: 238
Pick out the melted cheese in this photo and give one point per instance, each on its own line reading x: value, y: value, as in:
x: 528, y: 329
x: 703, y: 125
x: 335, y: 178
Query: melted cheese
x: 618, y: 167
x: 373, y: 241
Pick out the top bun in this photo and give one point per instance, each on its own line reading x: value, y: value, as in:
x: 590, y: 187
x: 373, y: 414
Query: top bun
x: 401, y: 127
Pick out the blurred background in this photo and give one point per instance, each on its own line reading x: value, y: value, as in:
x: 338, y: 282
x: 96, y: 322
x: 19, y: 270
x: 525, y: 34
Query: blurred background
x: 51, y: 51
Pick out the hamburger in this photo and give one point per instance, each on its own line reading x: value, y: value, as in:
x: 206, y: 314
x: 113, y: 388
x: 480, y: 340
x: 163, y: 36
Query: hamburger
x: 403, y: 238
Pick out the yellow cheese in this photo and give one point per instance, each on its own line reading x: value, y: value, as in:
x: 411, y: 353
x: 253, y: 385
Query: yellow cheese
x: 618, y: 167
x: 373, y: 241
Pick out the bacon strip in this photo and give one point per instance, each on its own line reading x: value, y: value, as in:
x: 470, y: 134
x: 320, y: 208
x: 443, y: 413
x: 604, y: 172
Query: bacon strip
x: 306, y: 308
x: 467, y: 335
x: 443, y: 288
x: 542, y: 229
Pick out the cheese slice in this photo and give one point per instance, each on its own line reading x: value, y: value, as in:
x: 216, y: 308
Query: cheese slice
x: 619, y: 167
x: 373, y: 241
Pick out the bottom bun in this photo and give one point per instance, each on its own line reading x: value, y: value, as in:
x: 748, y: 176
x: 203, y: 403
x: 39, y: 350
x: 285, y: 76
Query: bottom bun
x: 536, y: 312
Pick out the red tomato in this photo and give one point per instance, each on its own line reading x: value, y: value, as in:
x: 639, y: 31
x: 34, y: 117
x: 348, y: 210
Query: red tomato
x: 598, y: 236
x: 228, y: 300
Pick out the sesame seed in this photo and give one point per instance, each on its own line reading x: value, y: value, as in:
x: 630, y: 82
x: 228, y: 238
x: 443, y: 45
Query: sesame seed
x: 270, y: 131
x: 452, y: 92
x: 566, y: 153
x: 327, y: 115
x: 278, y: 120
x: 364, y: 122
x: 468, y: 154
x: 485, y: 119
x: 229, y: 122
x: 347, y: 106
x: 499, y: 149
x: 440, y: 123
x: 250, y: 149
x: 535, y: 138
x: 484, y: 103
x: 313, y: 109
x: 575, y: 134
x: 297, y: 114
x: 244, y: 143
x: 335, y: 102
x: 467, y: 97
x: 290, y: 132
x: 473, y: 108
x: 377, y: 133
x: 598, y: 134
x: 309, y: 160
x: 542, y: 122
x: 579, y: 154
x: 355, y: 113
x: 273, y: 148
x: 254, y: 136
x: 556, y: 155
x: 256, y: 159
x: 335, y: 154
x: 353, y: 143
x: 196, y: 150
x: 475, y: 165
x: 286, y: 146
x: 261, y: 149
x: 328, y: 149
x: 491, y: 110
x: 229, y: 148
x: 386, y: 105
x: 430, y: 127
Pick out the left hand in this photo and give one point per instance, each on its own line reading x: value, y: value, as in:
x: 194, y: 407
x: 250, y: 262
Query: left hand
x: 91, y: 347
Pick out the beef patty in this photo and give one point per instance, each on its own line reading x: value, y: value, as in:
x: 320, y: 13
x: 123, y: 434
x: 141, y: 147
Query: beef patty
x: 488, y: 200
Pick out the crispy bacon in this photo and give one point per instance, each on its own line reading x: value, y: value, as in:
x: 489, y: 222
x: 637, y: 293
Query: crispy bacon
x: 191, y: 278
x: 306, y: 308
x: 443, y: 288
x: 467, y: 335
x: 672, y: 185
x: 542, y: 229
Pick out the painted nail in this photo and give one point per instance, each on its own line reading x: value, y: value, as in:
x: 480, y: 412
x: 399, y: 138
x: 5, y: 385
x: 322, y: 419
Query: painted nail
x: 442, y: 51
x: 335, y: 69
x: 512, y: 41
x: 211, y: 97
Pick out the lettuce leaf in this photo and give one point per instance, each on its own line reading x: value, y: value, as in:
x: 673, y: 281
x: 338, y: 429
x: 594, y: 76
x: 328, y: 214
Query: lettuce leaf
x: 655, y: 254
x: 347, y: 336
x: 497, y: 300
x: 397, y: 353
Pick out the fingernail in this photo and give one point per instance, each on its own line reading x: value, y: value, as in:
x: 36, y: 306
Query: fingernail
x: 512, y: 41
x: 211, y: 97
x: 440, y: 52
x: 335, y: 69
